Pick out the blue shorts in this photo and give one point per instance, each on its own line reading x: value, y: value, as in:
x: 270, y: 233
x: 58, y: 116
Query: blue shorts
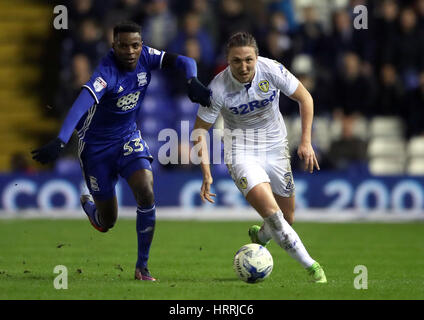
x: 102, y: 163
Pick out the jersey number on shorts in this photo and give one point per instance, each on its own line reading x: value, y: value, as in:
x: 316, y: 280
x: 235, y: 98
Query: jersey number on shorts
x: 137, y: 147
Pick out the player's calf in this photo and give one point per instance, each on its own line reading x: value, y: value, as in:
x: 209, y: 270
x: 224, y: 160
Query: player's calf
x: 101, y: 214
x: 90, y: 210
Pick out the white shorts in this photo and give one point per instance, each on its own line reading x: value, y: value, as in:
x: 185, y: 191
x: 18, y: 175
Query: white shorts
x: 275, y: 169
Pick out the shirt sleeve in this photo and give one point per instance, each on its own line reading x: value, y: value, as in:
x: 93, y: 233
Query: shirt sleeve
x: 283, y: 78
x: 210, y: 114
x: 84, y: 101
x: 153, y: 57
x: 100, y: 82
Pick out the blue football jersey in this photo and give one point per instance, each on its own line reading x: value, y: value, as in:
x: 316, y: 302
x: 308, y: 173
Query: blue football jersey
x: 118, y: 95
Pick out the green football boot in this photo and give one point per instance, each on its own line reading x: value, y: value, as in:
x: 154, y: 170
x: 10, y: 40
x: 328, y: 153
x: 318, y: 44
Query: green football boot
x: 316, y: 272
x: 253, y: 234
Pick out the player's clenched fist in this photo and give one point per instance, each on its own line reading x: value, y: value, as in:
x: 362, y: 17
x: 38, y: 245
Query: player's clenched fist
x: 48, y: 152
x: 198, y: 93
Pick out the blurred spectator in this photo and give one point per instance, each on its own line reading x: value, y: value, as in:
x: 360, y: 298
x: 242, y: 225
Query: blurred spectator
x: 19, y: 164
x: 310, y: 33
x: 123, y: 10
x: 191, y: 28
x: 278, y: 47
x: 390, y: 93
x: 348, y: 150
x: 386, y: 25
x: 286, y: 8
x: 71, y: 84
x: 415, y: 107
x: 207, y: 13
x: 88, y: 42
x: 344, y: 38
x: 232, y: 18
x: 193, y: 49
x: 409, y: 48
x: 159, y: 25
x: 80, y: 10
x: 419, y: 6
x: 108, y: 35
x: 354, y: 92
x: 340, y: 39
x: 316, y: 82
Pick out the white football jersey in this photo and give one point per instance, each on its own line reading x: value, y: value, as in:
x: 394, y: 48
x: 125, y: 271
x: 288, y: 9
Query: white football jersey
x: 252, y: 108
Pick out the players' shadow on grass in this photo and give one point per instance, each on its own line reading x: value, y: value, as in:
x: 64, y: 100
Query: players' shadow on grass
x: 35, y: 277
x: 229, y: 279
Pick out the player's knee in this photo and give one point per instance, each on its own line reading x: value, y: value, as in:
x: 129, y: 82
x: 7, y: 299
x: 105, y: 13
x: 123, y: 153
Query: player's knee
x: 145, y: 196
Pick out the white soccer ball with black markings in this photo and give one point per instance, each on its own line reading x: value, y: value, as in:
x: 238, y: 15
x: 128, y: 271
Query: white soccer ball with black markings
x: 253, y: 263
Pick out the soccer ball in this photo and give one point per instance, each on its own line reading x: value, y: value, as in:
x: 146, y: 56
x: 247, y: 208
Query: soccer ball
x: 253, y: 263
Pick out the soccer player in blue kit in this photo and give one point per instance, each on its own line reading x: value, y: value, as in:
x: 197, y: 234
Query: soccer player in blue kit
x: 104, y: 115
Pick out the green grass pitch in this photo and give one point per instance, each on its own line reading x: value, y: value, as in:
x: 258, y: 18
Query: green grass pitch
x: 193, y: 260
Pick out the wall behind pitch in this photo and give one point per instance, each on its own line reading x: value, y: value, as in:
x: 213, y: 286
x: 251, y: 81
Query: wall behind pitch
x: 328, y: 191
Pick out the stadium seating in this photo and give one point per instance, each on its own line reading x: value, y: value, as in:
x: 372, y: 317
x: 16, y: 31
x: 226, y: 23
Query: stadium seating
x: 382, y: 126
x: 415, y: 154
x: 415, y: 166
x: 387, y: 155
x: 386, y: 147
x: 24, y: 26
x: 415, y: 148
x: 385, y: 166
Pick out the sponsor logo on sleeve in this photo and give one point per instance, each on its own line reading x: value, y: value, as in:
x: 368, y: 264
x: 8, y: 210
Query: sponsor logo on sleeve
x: 154, y: 51
x: 99, y: 84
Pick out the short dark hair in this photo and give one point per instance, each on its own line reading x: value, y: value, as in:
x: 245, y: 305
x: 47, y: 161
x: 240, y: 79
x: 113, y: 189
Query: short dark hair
x: 242, y: 39
x: 126, y: 26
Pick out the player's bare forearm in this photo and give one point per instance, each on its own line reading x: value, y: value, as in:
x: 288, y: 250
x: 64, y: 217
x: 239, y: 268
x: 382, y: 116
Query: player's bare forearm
x: 200, y: 129
x: 306, y: 109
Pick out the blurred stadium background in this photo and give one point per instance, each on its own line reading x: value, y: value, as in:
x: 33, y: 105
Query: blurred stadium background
x: 367, y: 84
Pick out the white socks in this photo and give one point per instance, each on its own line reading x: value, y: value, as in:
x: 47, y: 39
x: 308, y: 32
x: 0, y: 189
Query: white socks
x: 276, y: 226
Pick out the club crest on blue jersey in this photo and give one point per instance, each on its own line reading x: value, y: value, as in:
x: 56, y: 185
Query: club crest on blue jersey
x: 264, y: 86
x: 142, y: 79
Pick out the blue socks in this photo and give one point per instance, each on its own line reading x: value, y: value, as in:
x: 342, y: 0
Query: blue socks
x: 145, y: 226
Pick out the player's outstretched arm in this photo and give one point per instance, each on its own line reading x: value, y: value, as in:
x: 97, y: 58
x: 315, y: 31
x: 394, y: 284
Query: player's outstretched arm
x: 201, y: 127
x: 197, y: 92
x: 50, y: 152
x: 306, y: 108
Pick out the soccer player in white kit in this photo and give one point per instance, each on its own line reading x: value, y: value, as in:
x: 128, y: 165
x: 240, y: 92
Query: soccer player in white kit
x: 246, y: 94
